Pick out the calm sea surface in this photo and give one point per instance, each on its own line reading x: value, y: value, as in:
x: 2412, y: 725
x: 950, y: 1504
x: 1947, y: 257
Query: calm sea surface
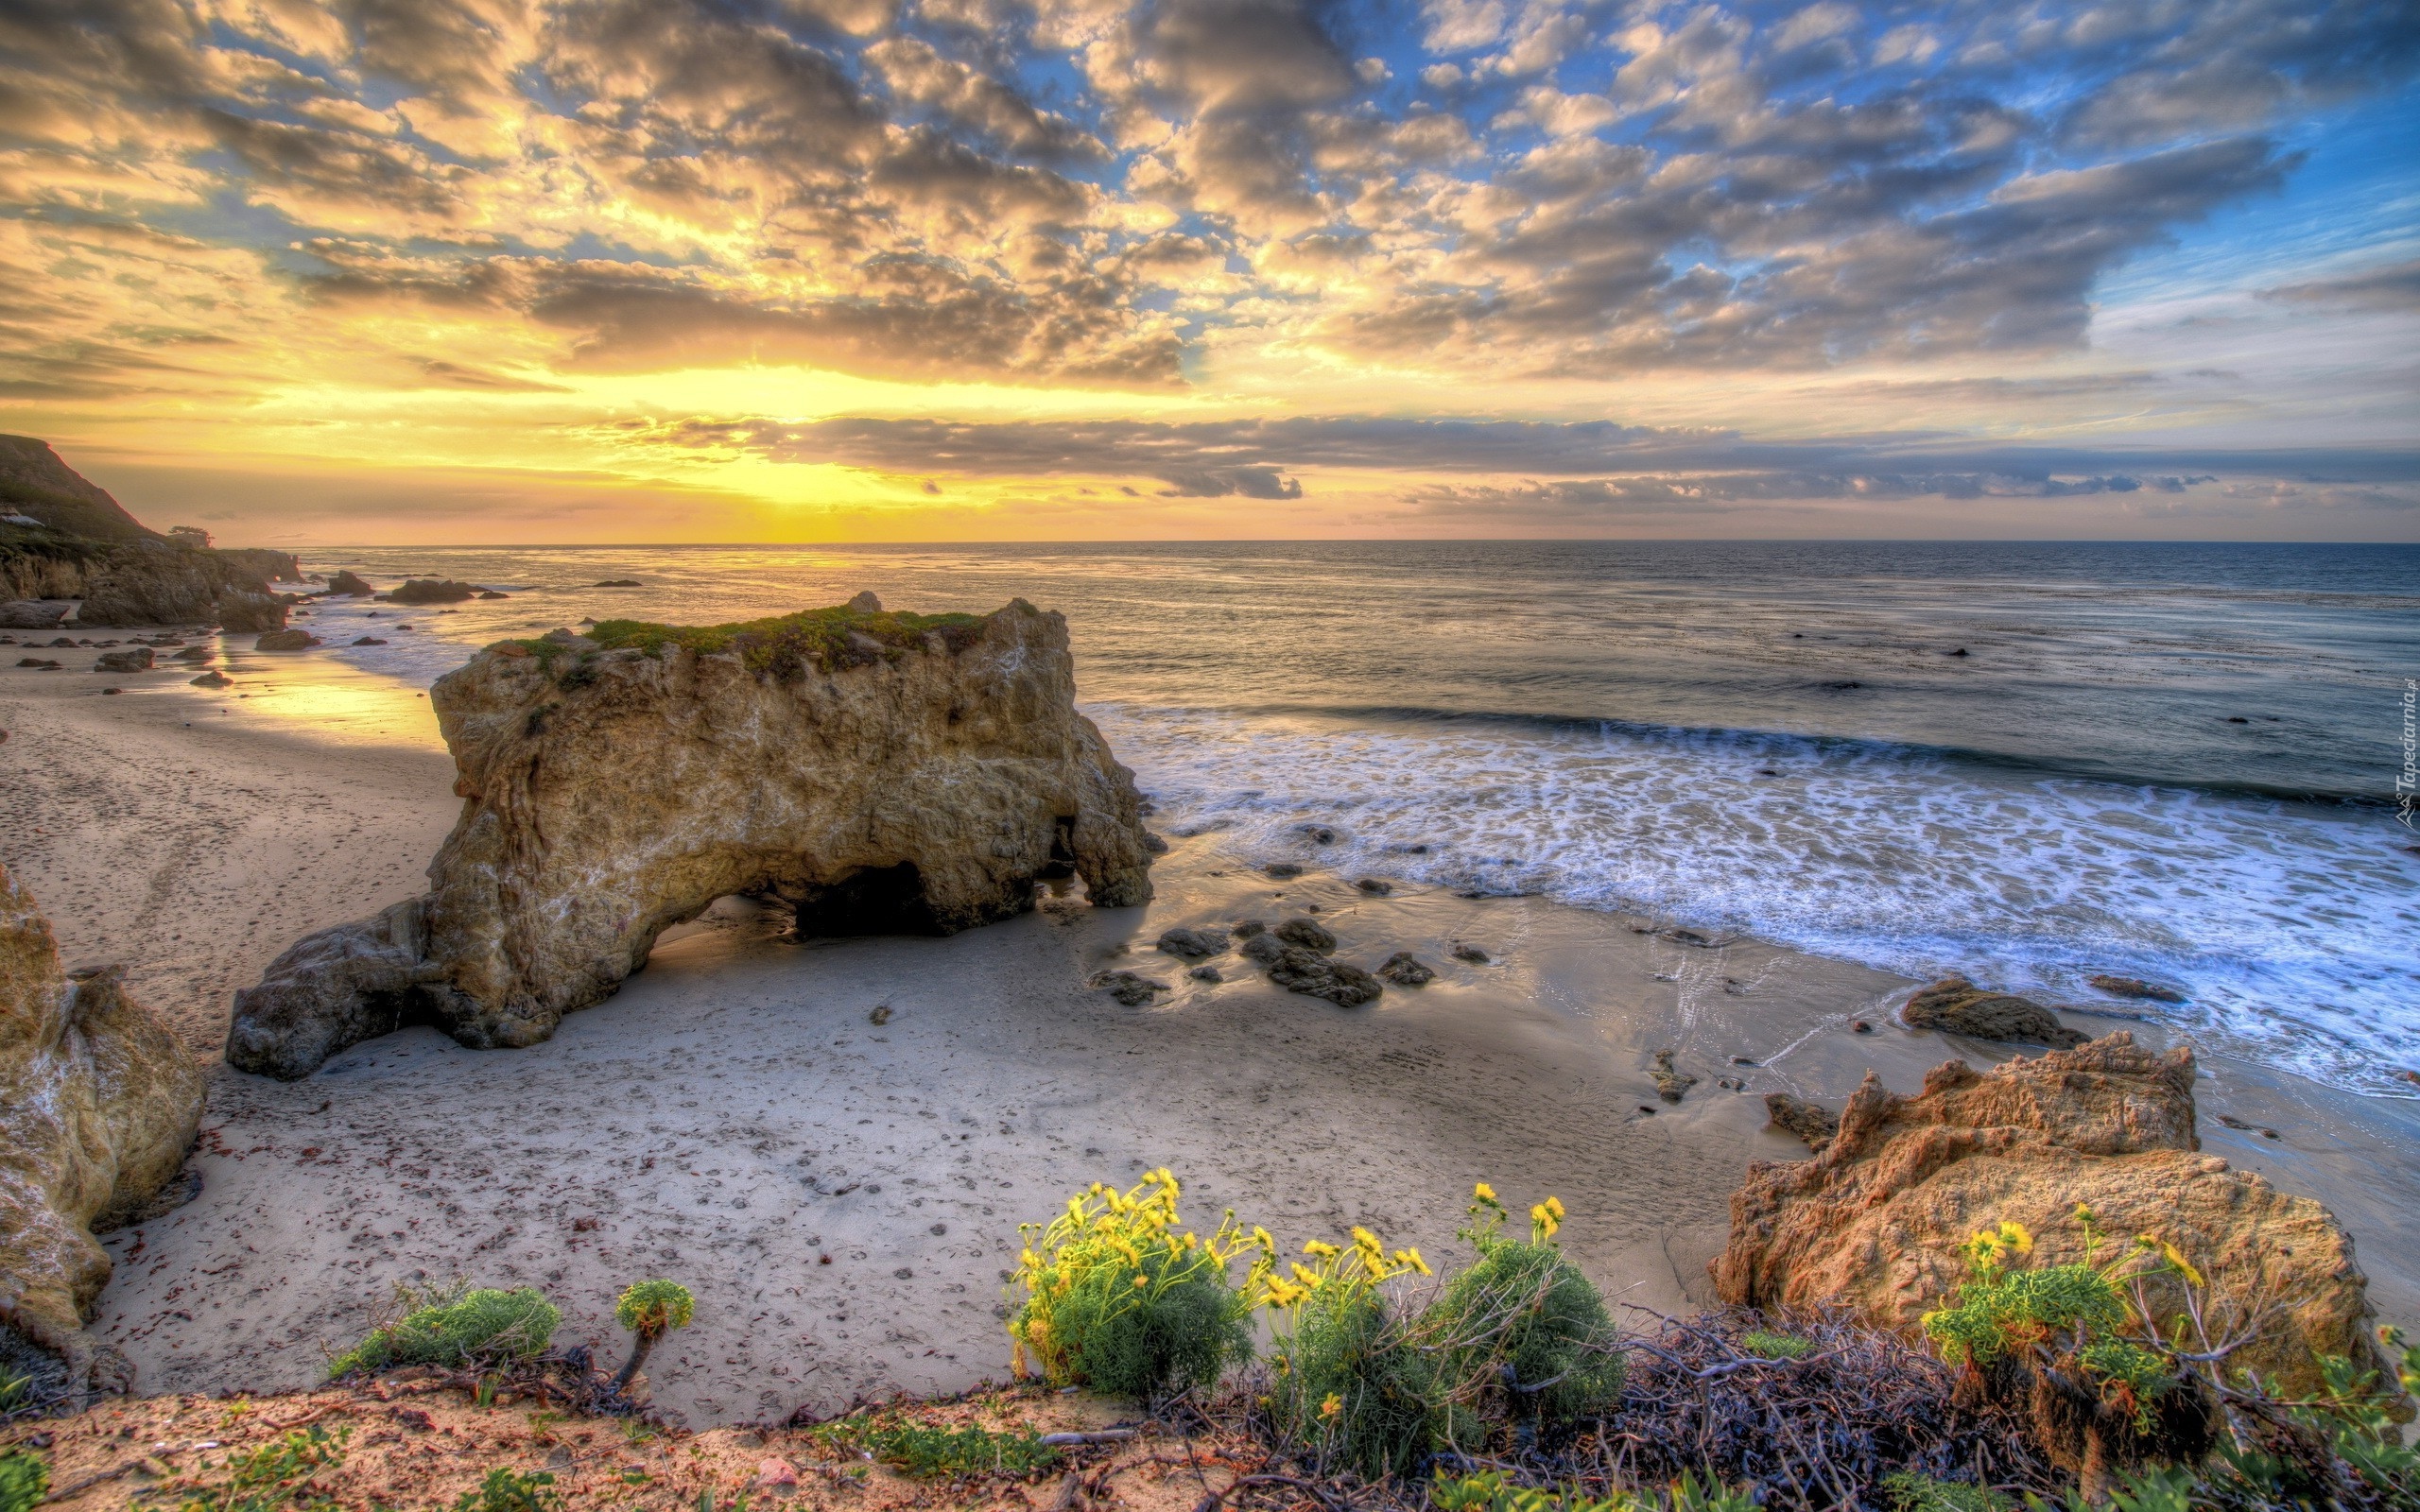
x: 2175, y: 762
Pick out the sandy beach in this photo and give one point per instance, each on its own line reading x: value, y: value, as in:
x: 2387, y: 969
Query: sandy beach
x: 840, y: 1186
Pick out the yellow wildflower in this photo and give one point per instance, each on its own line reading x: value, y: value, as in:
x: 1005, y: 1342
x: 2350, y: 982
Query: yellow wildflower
x: 1330, y: 1408
x: 1141, y: 1280
x: 2184, y: 1268
x: 1483, y: 1192
x: 1319, y: 1248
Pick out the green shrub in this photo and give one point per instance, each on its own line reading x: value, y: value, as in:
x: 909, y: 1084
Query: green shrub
x: 1769, y: 1346
x: 507, y: 1490
x: 25, y: 1480
x: 1489, y: 1492
x: 464, y: 1327
x: 1904, y: 1492
x: 273, y: 1477
x: 784, y: 644
x: 1346, y: 1384
x: 650, y: 1310
x: 1120, y: 1298
x: 1521, y: 1334
x: 915, y: 1449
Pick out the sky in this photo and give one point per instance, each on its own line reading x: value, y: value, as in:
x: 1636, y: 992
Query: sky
x: 533, y: 271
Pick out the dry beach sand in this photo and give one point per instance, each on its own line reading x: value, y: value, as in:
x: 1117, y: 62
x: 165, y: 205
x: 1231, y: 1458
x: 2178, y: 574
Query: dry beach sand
x: 842, y: 1193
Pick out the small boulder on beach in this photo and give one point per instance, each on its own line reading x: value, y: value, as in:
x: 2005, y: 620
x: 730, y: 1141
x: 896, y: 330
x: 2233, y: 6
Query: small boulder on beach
x: 1207, y: 972
x: 1309, y: 934
x: 1671, y: 1083
x: 1957, y: 1006
x: 1471, y: 953
x: 1127, y: 987
x: 138, y: 660
x: 2134, y: 986
x: 1264, y: 948
x: 1193, y: 944
x: 1376, y: 886
x: 286, y: 641
x: 1810, y: 1122
x: 1282, y: 869
x: 1312, y: 974
x: 197, y: 653
x: 214, y: 678
x: 1247, y: 928
x: 1404, y: 970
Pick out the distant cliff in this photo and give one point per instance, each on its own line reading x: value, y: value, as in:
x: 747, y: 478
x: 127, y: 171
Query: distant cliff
x: 61, y: 536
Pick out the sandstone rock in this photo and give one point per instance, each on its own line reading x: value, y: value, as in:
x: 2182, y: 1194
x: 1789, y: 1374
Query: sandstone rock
x: 286, y: 641
x: 31, y: 614
x: 1404, y: 970
x: 1871, y: 1222
x: 1806, y: 1121
x: 613, y: 793
x: 147, y: 582
x: 246, y: 614
x: 1956, y: 1006
x: 1192, y: 944
x: 98, y: 1104
x: 865, y: 603
x: 348, y: 585
x: 1309, y: 934
x: 1298, y: 970
x: 137, y: 660
x: 213, y: 679
x: 2134, y: 986
x: 431, y: 591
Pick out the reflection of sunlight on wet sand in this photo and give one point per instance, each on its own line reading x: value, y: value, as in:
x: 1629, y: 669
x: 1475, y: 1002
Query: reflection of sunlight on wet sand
x: 310, y: 693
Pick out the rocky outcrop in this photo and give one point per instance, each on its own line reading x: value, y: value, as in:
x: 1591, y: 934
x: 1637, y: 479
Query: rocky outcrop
x: 876, y: 771
x: 242, y: 614
x: 430, y: 590
x: 1956, y: 1006
x: 347, y: 584
x: 36, y: 483
x: 31, y: 614
x: 1874, y: 1220
x: 98, y: 1104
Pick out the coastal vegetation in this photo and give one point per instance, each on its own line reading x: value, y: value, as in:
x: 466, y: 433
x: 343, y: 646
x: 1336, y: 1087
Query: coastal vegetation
x: 779, y: 645
x: 455, y: 1328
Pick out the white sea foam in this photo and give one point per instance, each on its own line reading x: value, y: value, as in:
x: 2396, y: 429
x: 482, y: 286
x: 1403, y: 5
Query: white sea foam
x: 2290, y: 925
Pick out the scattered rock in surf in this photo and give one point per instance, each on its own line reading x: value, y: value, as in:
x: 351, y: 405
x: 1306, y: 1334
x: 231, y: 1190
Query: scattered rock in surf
x: 1282, y: 869
x: 1420, y: 850
x: 45, y: 664
x: 1205, y: 973
x: 1317, y: 834
x: 1247, y: 928
x: 490, y: 593
x: 138, y: 660
x: 1802, y: 1120
x: 348, y: 585
x: 431, y: 591
x: 1741, y: 1060
x: 1859, y: 1027
x: 197, y: 653
x: 1843, y: 687
x: 112, y: 690
x: 1956, y: 1006
x: 621, y: 582
x: 2237, y: 719
x: 1680, y: 935
x: 1264, y: 948
x: 880, y: 1015
x: 369, y: 640
x: 1193, y: 944
x: 2134, y: 986
x: 1376, y: 886
x: 1312, y: 974
x: 1670, y: 1081
x: 1307, y: 934
x: 865, y: 603
x: 286, y: 641
x: 2232, y: 1122
x: 214, y: 678
x: 1127, y: 987
x: 1961, y: 651
x: 1471, y: 953
x: 1404, y: 970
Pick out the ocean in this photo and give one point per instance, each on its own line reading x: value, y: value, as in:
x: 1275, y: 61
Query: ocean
x: 2028, y: 762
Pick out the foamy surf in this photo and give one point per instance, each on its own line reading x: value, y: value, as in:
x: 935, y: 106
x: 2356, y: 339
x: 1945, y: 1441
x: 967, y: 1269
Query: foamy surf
x: 2288, y: 925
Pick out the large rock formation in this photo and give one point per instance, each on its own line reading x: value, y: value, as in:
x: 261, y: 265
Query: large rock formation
x: 98, y: 1104
x: 876, y: 770
x: 36, y: 483
x: 1873, y: 1221
x: 151, y: 583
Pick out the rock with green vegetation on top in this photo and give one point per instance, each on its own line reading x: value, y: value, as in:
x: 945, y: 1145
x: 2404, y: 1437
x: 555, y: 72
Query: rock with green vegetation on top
x: 879, y: 772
